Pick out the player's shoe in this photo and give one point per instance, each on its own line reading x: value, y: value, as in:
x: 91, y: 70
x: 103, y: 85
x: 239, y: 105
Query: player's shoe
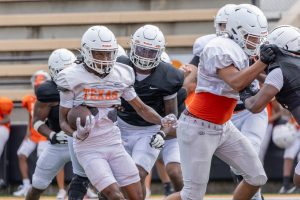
x: 22, y: 190
x: 61, y: 195
x: 91, y: 194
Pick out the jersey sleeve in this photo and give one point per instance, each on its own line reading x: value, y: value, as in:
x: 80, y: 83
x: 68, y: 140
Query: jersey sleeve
x: 66, y: 99
x: 275, y: 78
x: 47, y: 92
x: 129, y: 92
x: 62, y: 82
x: 216, y: 56
x: 6, y: 105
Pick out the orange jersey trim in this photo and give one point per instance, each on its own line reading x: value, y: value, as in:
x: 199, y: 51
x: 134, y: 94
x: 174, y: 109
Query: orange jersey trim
x: 213, y: 108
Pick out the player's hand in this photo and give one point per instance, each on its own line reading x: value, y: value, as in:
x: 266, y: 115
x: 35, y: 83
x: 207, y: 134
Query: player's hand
x: 157, y: 140
x: 248, y: 92
x: 186, y: 70
x: 268, y: 53
x: 169, y: 121
x: 82, y: 132
x: 58, y: 138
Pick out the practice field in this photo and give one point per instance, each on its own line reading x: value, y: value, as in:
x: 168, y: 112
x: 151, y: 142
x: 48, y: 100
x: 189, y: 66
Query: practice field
x: 208, y: 197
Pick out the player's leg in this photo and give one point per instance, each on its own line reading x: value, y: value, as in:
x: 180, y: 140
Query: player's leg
x: 144, y: 156
x: 254, y: 128
x: 171, y: 157
x: 164, y: 177
x: 79, y: 183
x: 289, y: 156
x: 127, y: 177
x: 148, y: 184
x: 237, y: 151
x: 60, y: 179
x: 297, y: 175
x: 26, y: 148
x: 103, y: 180
x: 49, y: 163
x: 197, y: 144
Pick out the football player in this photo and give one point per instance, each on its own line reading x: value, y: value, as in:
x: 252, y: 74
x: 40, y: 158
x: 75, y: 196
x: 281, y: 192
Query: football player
x: 205, y: 128
x: 46, y: 122
x: 282, y: 81
x: 99, y: 82
x: 156, y: 83
x: 6, y: 106
x: 32, y: 139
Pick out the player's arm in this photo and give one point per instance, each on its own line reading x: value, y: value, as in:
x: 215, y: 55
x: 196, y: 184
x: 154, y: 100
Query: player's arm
x: 5, y: 120
x: 63, y: 113
x: 145, y: 111
x: 257, y: 103
x: 170, y: 106
x: 41, y: 111
x: 239, y: 79
x: 190, y: 80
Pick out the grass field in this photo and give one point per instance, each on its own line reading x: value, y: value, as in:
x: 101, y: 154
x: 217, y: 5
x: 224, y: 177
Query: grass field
x: 208, y: 197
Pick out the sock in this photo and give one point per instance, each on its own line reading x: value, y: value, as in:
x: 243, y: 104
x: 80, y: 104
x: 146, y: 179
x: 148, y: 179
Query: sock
x: 26, y: 182
x: 286, y: 181
x: 168, y: 188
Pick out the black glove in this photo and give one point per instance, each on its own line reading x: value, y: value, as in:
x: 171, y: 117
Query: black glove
x: 268, y: 53
x: 58, y: 138
x: 157, y: 140
x: 248, y: 92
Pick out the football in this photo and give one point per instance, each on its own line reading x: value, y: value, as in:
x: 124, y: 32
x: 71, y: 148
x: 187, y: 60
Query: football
x: 74, y: 113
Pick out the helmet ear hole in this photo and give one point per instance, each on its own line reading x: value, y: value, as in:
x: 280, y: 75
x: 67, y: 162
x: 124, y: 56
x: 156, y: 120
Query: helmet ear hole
x: 146, y: 47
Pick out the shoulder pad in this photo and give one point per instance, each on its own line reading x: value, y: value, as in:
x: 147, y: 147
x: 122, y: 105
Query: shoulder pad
x: 172, y: 78
x: 125, y: 73
x: 200, y: 43
x: 47, y: 92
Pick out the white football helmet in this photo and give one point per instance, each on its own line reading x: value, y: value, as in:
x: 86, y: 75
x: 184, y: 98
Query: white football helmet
x: 286, y: 37
x: 165, y: 58
x: 147, y: 45
x: 39, y: 77
x: 284, y: 135
x: 59, y: 60
x: 99, y: 49
x: 248, y: 27
x: 222, y: 17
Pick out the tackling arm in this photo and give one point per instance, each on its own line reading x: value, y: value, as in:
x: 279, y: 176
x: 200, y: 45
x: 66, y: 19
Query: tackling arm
x: 257, y: 103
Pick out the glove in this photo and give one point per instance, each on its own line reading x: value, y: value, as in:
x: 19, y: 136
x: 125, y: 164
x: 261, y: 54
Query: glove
x: 268, y: 53
x: 169, y: 121
x: 58, y: 138
x: 83, y: 132
x: 248, y: 92
x: 157, y: 140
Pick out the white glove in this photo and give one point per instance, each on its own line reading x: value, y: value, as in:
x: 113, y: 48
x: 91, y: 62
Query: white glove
x: 157, y: 140
x: 169, y: 121
x: 82, y: 132
x: 58, y: 138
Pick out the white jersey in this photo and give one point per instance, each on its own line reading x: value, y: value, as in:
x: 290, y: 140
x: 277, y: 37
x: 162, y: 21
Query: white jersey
x: 219, y: 53
x: 201, y: 42
x: 80, y: 87
x: 91, y: 90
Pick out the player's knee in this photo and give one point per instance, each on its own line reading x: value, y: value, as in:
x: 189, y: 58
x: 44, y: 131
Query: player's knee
x: 174, y: 170
x: 22, y: 157
x: 39, y: 183
x: 143, y: 173
x: 257, y: 180
x: 35, y: 191
x: 78, y: 187
x: 113, y: 194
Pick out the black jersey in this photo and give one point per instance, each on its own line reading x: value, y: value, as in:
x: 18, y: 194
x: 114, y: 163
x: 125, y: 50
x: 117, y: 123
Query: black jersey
x: 163, y: 81
x: 289, y: 95
x: 46, y: 93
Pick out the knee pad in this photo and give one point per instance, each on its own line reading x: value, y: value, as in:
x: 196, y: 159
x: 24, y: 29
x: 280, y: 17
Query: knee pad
x: 40, y: 183
x: 257, y: 181
x: 78, y: 187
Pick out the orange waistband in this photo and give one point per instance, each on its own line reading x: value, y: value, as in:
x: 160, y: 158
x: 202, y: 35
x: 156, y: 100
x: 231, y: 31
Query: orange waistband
x: 213, y: 108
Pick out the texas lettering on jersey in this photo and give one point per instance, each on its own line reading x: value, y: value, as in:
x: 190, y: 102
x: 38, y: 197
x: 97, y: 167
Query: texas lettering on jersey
x: 95, y: 94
